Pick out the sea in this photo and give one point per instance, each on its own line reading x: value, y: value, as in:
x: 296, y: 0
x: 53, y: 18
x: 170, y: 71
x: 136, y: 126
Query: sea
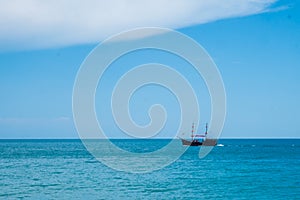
x: 235, y: 169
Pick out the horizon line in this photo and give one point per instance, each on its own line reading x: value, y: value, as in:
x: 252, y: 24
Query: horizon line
x: 165, y: 138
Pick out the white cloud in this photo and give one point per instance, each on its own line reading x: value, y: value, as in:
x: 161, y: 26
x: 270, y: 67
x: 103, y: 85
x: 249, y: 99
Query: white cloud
x: 40, y: 24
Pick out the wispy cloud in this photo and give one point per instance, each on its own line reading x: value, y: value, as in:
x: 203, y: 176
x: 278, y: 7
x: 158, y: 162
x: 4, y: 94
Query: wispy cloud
x: 40, y: 24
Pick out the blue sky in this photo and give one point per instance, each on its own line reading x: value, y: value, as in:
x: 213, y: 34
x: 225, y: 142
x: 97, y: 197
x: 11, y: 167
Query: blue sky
x: 256, y: 51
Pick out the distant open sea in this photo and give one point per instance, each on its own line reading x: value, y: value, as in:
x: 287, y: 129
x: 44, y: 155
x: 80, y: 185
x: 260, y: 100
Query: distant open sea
x: 64, y: 169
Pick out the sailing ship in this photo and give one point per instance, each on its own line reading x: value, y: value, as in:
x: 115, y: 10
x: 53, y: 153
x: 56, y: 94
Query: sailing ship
x: 199, y: 140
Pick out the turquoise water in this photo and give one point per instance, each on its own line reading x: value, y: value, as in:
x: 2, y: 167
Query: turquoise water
x: 64, y: 169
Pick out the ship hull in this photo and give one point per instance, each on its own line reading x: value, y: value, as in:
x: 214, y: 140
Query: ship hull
x: 191, y: 143
x: 207, y: 142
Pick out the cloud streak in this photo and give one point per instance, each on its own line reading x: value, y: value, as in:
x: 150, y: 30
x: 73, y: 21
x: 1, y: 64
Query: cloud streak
x: 31, y: 24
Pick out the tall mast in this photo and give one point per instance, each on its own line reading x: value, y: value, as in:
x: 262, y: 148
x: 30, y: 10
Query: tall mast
x: 192, y: 131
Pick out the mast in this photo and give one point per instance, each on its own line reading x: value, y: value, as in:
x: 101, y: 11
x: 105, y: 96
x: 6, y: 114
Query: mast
x: 193, y: 131
x: 206, y: 126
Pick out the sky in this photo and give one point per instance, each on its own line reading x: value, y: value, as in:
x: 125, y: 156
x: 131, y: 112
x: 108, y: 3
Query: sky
x: 255, y: 45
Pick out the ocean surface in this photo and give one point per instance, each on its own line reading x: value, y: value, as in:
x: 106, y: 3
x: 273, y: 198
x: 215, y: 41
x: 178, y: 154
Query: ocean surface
x: 236, y: 169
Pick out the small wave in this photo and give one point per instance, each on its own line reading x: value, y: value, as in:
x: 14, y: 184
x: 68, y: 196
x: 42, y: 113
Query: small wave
x: 220, y: 145
x: 154, y: 190
x: 91, y: 161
